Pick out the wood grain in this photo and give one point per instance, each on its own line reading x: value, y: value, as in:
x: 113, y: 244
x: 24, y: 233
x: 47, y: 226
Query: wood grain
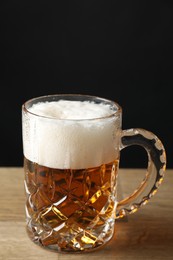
x: 146, y: 234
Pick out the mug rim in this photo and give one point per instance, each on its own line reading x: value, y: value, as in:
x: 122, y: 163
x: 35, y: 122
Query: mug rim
x: 85, y: 97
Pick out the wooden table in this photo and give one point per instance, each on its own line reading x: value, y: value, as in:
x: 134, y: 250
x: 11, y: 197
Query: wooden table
x: 146, y: 234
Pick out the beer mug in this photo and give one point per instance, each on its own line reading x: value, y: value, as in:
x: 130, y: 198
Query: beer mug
x: 72, y: 145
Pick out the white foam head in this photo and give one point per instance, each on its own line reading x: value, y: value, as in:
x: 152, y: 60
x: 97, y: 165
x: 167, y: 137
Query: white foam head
x: 68, y: 134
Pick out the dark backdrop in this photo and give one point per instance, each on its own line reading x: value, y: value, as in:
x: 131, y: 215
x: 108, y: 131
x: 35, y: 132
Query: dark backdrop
x: 119, y: 50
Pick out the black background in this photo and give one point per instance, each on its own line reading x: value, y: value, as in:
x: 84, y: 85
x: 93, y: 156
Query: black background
x: 119, y: 50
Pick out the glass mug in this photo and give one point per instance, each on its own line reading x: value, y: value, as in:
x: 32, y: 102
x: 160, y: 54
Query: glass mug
x: 71, y: 146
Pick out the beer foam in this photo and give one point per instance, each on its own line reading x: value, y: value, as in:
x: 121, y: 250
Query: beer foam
x: 64, y: 135
x: 65, y: 109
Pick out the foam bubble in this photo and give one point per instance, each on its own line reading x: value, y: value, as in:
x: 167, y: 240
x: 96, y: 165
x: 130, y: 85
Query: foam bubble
x: 60, y: 138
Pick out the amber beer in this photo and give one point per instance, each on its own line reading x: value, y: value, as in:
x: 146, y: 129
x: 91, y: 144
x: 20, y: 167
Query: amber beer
x: 70, y: 165
x: 71, y: 210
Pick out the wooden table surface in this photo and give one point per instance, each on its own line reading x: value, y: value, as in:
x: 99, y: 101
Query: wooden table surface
x: 146, y: 234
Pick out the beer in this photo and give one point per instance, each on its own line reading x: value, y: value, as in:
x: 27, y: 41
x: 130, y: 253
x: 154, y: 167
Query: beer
x: 70, y: 210
x: 71, y: 147
x: 70, y: 163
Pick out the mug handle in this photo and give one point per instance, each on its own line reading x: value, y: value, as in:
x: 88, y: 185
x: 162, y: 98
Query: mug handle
x: 155, y: 170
